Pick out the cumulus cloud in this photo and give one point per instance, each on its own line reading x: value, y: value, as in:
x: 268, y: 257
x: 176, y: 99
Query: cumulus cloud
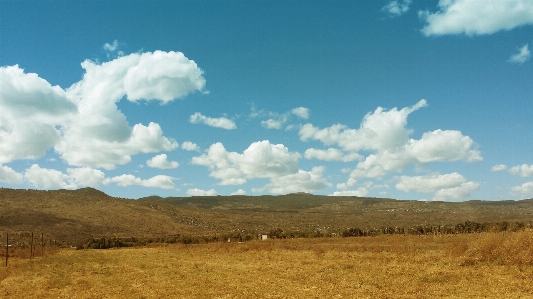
x: 523, y: 170
x: 32, y: 109
x: 460, y: 192
x: 397, y: 8
x: 522, y: 56
x: 301, y: 112
x: 360, y: 192
x: 83, y: 123
x: 274, y: 123
x: 47, y: 178
x: 111, y: 48
x: 8, y: 175
x: 221, y: 122
x: 442, y: 145
x: 74, y: 178
x: 190, y: 146
x: 385, y: 134
x: 378, y: 131
x: 86, y: 176
x: 239, y: 192
x: 260, y: 160
x: 331, y: 154
x: 101, y: 136
x: 161, y: 162
x: 344, y: 186
x: 473, y: 17
x: 526, y: 189
x: 279, y: 120
x: 200, y: 192
x: 87, y: 150
x: 430, y: 182
x: 499, y: 167
x: 302, y: 181
x: 158, y: 181
x: 446, y: 187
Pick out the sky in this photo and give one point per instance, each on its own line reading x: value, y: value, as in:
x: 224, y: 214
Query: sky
x: 413, y: 100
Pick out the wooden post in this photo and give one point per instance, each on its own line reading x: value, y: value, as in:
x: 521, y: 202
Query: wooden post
x: 7, y: 247
x: 31, y: 247
x: 42, y: 244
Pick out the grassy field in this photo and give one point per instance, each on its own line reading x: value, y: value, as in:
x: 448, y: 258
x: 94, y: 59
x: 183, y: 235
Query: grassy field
x: 487, y: 265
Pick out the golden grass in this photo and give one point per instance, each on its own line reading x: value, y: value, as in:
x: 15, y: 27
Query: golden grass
x: 393, y: 266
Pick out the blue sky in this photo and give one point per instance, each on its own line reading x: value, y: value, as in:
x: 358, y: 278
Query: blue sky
x: 420, y: 100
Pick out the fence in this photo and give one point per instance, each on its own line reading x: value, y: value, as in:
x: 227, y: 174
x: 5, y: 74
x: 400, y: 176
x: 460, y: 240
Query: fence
x: 27, y: 245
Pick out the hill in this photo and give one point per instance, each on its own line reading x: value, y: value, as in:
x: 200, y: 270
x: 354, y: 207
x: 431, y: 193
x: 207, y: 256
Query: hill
x: 75, y: 215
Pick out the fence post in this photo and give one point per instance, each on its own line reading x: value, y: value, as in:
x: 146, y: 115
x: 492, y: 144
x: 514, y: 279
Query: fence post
x: 31, y: 247
x: 7, y: 247
x: 42, y: 244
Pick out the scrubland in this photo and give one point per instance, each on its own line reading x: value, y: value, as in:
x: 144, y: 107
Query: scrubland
x: 479, y: 265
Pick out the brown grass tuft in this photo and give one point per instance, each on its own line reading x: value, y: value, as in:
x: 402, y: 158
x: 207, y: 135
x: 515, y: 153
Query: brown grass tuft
x: 502, y: 248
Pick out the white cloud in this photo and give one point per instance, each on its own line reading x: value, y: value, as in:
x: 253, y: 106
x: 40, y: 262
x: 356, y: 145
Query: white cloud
x: 384, y: 133
x: 301, y: 112
x: 85, y: 176
x: 274, y: 123
x: 162, y: 76
x: 522, y: 56
x: 499, y: 167
x: 460, y: 192
x: 158, y: 181
x: 111, y: 47
x: 239, y: 192
x: 8, y: 175
x: 107, y: 152
x: 344, y: 186
x: 430, y: 182
x: 360, y: 192
x: 278, y: 120
x: 101, y: 136
x: 378, y: 131
x: 474, y: 17
x: 302, y: 181
x: 526, y: 189
x: 83, y: 123
x: 221, y: 122
x: 260, y: 160
x: 346, y: 170
x: 200, y: 192
x: 331, y: 154
x: 31, y: 109
x: 161, y: 162
x: 190, y: 146
x: 48, y: 178
x: 442, y: 145
x: 396, y: 7
x: 523, y: 170
x: 76, y: 177
x: 446, y: 186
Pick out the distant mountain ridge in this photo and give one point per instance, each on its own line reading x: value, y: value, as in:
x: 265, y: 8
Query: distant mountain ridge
x: 84, y: 213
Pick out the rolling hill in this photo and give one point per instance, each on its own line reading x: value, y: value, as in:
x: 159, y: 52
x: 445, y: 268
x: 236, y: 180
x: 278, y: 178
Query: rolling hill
x: 76, y: 215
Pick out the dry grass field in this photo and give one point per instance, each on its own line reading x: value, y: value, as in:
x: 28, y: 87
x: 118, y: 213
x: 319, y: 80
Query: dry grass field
x: 486, y: 265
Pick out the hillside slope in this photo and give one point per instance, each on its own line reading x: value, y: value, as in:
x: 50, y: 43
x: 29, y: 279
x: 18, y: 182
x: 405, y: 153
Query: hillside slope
x: 80, y: 214
x: 84, y: 213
